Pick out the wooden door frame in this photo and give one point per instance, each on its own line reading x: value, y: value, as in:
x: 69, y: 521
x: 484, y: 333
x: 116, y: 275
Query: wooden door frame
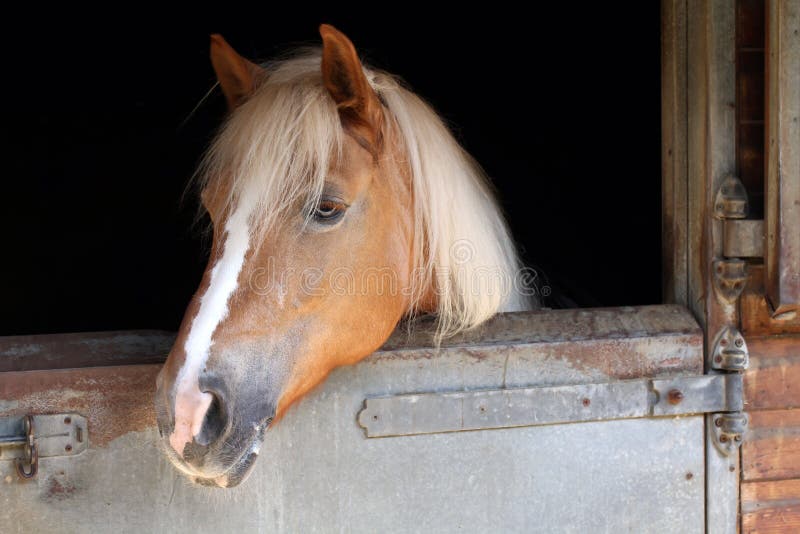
x: 698, y: 154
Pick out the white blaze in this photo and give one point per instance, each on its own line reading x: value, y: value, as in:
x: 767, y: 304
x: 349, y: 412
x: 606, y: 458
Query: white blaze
x: 191, y: 404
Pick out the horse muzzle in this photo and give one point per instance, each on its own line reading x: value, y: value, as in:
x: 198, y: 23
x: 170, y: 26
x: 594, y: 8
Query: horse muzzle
x: 224, y: 442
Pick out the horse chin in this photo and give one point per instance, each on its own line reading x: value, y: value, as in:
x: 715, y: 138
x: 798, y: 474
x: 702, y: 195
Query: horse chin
x: 236, y: 474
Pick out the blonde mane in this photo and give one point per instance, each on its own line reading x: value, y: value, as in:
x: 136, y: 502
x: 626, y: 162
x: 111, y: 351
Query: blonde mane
x: 277, y: 147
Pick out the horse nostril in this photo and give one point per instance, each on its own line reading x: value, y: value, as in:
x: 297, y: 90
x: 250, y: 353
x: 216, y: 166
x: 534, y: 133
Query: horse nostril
x: 213, y: 423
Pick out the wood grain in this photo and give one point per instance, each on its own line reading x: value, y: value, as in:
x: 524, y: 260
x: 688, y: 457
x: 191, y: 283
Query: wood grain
x: 771, y: 448
x: 771, y: 506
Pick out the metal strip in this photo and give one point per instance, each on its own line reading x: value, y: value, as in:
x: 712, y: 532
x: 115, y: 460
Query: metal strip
x: 427, y: 413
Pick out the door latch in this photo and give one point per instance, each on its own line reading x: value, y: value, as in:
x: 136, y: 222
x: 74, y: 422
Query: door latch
x: 27, y: 438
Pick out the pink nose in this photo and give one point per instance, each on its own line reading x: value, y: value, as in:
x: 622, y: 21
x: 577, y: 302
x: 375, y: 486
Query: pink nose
x: 190, y: 412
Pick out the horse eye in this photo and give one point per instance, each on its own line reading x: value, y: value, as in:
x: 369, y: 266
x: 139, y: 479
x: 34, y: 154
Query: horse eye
x: 329, y: 211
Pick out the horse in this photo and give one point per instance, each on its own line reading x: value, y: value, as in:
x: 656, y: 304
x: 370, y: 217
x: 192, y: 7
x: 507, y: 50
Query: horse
x: 340, y: 206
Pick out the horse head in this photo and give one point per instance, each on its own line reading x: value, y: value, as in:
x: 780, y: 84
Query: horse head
x: 340, y: 204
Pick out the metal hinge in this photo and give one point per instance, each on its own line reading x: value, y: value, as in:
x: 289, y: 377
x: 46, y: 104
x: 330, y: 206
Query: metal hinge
x: 26, y: 438
x: 741, y: 238
x: 731, y: 200
x: 427, y: 413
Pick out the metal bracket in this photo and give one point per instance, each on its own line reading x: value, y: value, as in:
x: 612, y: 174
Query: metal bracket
x: 728, y: 430
x: 427, y: 413
x: 26, y: 438
x: 730, y: 351
x: 731, y: 200
x: 730, y: 277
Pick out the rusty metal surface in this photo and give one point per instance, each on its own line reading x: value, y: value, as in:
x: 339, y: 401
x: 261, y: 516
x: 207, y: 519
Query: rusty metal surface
x: 115, y: 400
x: 90, y: 349
x: 95, y: 349
x: 317, y: 471
x: 782, y: 261
x: 617, y: 343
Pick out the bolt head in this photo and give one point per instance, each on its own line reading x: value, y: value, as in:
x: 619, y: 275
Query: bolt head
x: 674, y: 396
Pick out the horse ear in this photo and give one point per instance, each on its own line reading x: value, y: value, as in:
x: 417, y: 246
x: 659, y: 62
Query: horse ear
x: 359, y: 107
x: 237, y: 76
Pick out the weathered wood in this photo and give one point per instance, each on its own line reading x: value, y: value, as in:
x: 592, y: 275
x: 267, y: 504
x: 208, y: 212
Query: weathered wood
x: 773, y: 379
x: 674, y: 181
x: 711, y: 158
x: 771, y: 449
x: 771, y: 506
x: 783, y: 157
x: 755, y: 311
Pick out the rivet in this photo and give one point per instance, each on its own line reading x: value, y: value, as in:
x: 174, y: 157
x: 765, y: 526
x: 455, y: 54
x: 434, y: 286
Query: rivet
x: 689, y: 476
x: 723, y: 342
x: 718, y: 359
x: 723, y: 438
x: 718, y: 422
x: 674, y: 397
x: 68, y: 447
x: 67, y: 420
x: 586, y: 402
x: 739, y: 342
x: 737, y: 438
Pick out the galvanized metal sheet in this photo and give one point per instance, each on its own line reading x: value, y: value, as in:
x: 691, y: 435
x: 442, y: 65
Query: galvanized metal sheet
x: 319, y: 473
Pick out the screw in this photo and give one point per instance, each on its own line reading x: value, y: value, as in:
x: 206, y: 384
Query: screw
x: 731, y: 469
x: 586, y: 402
x: 374, y: 417
x: 67, y: 420
x: 723, y: 438
x: 718, y: 359
x: 738, y: 438
x: 689, y: 476
x: 739, y: 342
x: 718, y: 422
x: 482, y: 408
x: 723, y: 342
x: 68, y: 447
x: 674, y: 397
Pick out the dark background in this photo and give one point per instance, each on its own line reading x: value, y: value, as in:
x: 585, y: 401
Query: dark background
x: 562, y: 107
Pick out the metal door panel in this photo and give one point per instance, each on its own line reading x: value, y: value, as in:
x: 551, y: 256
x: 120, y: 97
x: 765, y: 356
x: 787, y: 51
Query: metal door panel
x: 318, y: 472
